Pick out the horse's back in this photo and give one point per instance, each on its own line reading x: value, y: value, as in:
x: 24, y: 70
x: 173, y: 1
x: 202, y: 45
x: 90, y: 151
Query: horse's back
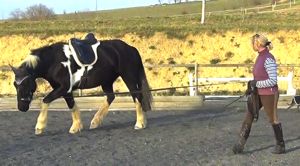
x: 118, y: 46
x: 123, y: 52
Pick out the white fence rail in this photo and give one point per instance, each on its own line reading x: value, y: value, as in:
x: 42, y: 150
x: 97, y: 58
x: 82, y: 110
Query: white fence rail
x: 192, y: 91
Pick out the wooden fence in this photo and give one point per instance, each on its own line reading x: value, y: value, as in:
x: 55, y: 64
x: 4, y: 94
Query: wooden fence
x: 251, y: 10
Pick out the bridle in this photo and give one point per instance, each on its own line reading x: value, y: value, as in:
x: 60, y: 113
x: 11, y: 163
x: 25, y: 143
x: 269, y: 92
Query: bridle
x: 19, y: 82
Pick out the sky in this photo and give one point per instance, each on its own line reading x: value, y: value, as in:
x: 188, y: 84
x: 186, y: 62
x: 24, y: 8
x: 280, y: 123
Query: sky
x: 59, y: 6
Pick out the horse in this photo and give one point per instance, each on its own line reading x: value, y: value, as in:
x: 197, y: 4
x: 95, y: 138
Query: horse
x: 59, y: 66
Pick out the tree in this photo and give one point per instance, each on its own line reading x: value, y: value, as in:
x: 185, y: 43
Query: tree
x: 159, y: 1
x: 17, y: 14
x: 39, y: 12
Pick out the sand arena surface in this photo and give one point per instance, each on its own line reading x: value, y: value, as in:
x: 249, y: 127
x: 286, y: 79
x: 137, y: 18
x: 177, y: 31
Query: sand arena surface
x: 199, y: 137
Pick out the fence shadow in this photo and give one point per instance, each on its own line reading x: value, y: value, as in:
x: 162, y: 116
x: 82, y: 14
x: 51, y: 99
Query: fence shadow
x: 270, y: 146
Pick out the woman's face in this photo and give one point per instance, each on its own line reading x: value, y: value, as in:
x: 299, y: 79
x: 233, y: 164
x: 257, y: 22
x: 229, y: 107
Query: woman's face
x: 254, y: 44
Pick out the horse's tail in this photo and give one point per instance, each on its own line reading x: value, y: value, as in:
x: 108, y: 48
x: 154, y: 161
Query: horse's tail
x: 146, y: 93
x: 145, y: 88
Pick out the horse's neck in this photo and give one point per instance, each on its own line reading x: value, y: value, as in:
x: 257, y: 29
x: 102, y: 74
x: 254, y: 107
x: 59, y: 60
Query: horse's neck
x: 36, y: 71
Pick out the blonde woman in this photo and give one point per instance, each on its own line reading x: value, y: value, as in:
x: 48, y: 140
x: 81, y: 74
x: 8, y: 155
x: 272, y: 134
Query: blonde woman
x: 265, y: 80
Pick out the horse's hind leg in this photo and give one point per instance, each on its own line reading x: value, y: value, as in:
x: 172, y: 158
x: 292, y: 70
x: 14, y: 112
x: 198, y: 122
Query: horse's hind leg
x: 42, y: 119
x: 103, y: 110
x: 141, y: 120
x: 76, y: 124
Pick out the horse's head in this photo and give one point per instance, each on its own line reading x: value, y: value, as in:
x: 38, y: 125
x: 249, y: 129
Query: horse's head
x: 25, y: 85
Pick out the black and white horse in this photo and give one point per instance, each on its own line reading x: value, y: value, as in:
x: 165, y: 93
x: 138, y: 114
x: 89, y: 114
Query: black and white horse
x: 58, y: 64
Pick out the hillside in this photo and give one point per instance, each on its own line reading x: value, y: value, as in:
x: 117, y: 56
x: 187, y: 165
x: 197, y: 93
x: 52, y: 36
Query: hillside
x: 176, y: 20
x: 165, y: 10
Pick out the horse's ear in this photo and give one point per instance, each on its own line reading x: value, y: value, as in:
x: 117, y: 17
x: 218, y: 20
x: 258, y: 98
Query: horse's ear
x: 13, y: 68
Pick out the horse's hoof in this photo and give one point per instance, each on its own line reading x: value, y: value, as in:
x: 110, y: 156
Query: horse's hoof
x: 74, y: 130
x: 139, y: 127
x: 39, y: 131
x: 94, y: 125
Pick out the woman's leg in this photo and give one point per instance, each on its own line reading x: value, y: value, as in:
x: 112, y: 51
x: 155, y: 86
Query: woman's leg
x: 244, y: 133
x: 269, y: 103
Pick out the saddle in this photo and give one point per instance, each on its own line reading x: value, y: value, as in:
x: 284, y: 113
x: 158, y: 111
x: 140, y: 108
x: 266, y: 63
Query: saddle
x: 253, y: 102
x: 84, y: 51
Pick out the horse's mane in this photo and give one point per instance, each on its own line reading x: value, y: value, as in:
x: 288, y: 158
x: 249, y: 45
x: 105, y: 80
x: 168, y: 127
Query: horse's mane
x: 33, y: 58
x: 46, y: 47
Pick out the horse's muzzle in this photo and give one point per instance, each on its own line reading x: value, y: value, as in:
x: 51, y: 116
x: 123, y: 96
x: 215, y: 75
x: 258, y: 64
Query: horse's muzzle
x: 23, y: 106
x: 23, y: 110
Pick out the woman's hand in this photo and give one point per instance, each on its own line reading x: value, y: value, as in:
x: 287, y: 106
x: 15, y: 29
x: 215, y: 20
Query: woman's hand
x: 253, y: 83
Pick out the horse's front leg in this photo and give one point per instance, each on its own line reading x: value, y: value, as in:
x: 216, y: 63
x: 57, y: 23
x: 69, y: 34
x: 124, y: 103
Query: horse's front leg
x: 42, y: 119
x: 43, y: 116
x: 76, y: 124
x: 103, y: 110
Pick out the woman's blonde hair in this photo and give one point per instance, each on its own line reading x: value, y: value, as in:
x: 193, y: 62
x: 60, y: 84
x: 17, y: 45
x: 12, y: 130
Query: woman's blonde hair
x: 261, y: 41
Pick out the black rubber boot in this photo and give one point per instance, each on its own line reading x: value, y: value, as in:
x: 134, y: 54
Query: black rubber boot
x: 280, y: 145
x: 244, y: 134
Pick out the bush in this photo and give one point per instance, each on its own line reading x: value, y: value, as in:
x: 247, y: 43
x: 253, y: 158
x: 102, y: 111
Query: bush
x: 184, y: 12
x: 191, y: 42
x: 215, y: 61
x: 281, y: 39
x: 229, y: 55
x: 248, y: 61
x: 152, y: 47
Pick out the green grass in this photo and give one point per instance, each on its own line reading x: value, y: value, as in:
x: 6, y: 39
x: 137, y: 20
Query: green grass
x: 116, y: 23
x: 165, y: 10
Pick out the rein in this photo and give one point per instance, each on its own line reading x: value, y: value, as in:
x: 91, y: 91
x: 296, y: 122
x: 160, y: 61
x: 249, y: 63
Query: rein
x: 234, y: 101
x: 161, y: 89
x: 156, y: 90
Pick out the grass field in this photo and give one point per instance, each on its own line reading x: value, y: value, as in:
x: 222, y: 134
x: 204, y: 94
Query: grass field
x: 165, y: 10
x: 145, y: 21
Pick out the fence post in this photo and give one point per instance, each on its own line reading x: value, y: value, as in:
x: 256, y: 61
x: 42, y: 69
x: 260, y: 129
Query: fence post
x: 290, y: 90
x: 191, y: 83
x: 273, y: 5
x: 196, y: 79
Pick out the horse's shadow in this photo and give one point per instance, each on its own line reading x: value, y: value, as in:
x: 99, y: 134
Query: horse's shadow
x: 170, y: 119
x: 270, y: 146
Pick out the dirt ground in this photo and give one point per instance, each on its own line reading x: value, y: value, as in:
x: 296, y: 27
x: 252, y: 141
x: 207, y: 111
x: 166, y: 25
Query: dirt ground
x: 198, y: 137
